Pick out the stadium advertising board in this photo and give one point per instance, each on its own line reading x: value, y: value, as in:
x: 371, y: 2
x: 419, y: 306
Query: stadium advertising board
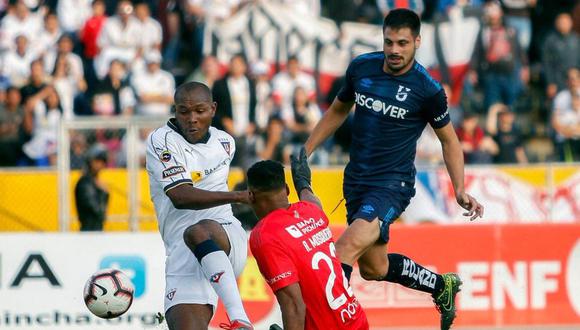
x: 42, y: 278
x: 513, y: 275
x: 517, y: 194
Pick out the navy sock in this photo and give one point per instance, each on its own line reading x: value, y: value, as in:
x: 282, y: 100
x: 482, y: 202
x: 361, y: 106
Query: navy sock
x: 204, y: 248
x: 406, y: 272
x: 347, y: 270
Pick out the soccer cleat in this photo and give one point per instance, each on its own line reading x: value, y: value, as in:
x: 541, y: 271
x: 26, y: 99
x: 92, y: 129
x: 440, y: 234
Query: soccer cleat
x: 445, y: 301
x: 237, y: 325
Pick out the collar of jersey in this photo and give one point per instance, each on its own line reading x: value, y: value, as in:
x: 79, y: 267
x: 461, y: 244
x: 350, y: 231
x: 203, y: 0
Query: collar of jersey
x: 171, y: 123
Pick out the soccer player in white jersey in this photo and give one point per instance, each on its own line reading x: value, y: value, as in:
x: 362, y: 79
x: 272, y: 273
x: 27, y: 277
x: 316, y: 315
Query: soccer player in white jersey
x: 188, y: 165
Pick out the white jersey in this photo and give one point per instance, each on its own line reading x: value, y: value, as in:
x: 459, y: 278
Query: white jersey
x: 172, y: 161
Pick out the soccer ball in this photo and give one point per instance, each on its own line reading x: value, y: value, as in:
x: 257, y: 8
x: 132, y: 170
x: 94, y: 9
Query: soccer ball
x: 109, y: 293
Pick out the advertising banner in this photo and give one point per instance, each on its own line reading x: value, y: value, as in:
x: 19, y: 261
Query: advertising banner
x: 42, y: 278
x: 513, y: 275
x: 270, y: 32
x: 524, y: 275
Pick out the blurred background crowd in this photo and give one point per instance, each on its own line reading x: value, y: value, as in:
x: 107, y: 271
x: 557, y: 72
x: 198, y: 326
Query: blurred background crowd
x: 519, y: 101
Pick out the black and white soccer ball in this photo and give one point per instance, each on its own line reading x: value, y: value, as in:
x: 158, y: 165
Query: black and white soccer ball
x: 109, y: 293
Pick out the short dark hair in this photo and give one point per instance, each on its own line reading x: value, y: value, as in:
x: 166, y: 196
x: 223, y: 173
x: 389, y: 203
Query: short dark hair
x: 266, y: 175
x: 403, y: 18
x: 193, y: 87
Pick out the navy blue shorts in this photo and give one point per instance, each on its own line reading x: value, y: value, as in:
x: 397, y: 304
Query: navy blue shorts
x: 385, y: 203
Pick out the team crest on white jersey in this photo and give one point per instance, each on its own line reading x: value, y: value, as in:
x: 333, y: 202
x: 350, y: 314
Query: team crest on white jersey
x: 402, y: 93
x: 165, y: 156
x: 226, y: 145
x: 171, y: 294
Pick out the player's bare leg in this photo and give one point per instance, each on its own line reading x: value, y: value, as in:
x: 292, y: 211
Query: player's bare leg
x: 210, y: 244
x: 354, y: 241
x: 189, y: 317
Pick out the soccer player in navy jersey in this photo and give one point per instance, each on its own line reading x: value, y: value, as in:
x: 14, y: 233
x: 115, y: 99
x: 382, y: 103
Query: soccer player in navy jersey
x: 395, y: 98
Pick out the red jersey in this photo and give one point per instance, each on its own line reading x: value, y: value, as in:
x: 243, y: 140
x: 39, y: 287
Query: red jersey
x: 295, y: 245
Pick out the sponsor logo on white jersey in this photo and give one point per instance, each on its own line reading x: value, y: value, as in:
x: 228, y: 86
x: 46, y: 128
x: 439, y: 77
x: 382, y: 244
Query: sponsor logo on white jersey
x: 174, y: 170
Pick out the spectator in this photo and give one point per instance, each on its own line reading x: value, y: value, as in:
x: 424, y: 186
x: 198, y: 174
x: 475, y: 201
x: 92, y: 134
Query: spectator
x: 89, y: 36
x: 517, y: 17
x: 299, y: 119
x: 65, y: 51
x: 151, y: 34
x: 78, y: 149
x: 264, y: 105
x: 284, y: 83
x: 67, y: 85
x: 560, y: 52
x: 19, y: 21
x: 153, y: 87
x: 496, y: 57
x: 207, y: 73
x: 45, y: 111
x: 73, y: 14
x: 46, y: 41
x: 16, y: 63
x: 113, y: 96
x: 566, y: 119
x: 235, y: 95
x: 91, y: 194
x: 199, y: 13
x: 36, y: 82
x: 119, y: 38
x: 477, y: 147
x: 500, y: 125
x: 11, y: 127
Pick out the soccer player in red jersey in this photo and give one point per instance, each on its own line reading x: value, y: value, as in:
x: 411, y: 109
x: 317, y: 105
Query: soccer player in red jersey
x: 295, y: 253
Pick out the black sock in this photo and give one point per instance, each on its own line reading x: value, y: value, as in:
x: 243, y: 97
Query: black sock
x: 406, y: 272
x: 347, y: 270
x: 204, y: 248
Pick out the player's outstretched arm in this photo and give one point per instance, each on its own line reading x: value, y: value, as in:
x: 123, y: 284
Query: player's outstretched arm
x: 187, y: 197
x: 302, y: 177
x: 330, y: 122
x: 453, y: 156
x: 292, y: 306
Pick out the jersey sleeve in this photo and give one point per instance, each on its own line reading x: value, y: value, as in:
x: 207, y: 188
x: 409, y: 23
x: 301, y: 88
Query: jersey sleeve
x: 165, y: 162
x: 232, y: 146
x: 346, y: 93
x: 274, y: 262
x: 436, y: 110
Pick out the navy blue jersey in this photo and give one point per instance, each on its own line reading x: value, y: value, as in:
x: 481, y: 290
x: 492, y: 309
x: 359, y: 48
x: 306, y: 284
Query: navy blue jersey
x: 391, y: 112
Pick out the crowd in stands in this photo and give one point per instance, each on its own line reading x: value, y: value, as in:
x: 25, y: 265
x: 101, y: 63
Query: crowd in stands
x: 519, y: 102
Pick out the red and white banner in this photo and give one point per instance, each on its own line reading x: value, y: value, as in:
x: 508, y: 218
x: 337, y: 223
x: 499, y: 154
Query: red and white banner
x: 270, y: 32
x: 527, y: 275
x: 539, y: 194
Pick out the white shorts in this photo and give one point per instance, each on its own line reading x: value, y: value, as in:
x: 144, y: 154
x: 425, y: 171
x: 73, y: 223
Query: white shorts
x: 191, y: 286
